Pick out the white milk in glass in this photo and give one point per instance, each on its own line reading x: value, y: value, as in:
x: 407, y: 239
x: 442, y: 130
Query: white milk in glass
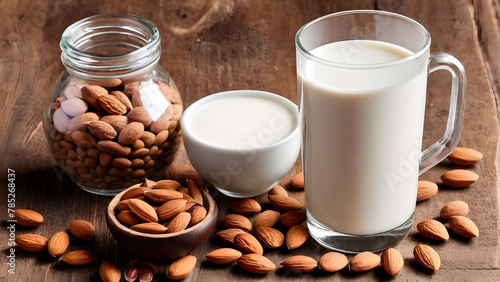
x: 362, y: 136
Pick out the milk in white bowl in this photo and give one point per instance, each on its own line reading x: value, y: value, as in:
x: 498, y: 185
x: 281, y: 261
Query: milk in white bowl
x: 362, y: 136
x: 242, y: 141
x: 242, y: 122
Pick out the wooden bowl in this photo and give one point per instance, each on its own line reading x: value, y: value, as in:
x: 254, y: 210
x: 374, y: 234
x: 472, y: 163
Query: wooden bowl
x: 161, y: 246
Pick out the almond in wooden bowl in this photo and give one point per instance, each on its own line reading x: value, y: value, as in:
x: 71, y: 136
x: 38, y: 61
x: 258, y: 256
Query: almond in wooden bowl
x: 164, y: 246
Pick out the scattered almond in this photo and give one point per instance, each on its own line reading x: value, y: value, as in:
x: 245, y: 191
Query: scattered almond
x: 224, y: 256
x: 143, y: 210
x: 181, y: 268
x: 427, y: 257
x: 364, y: 261
x: 266, y: 219
x: 291, y: 218
x: 82, y: 229
x: 463, y: 226
x: 255, y: 263
x: 332, y: 262
x: 278, y: 190
x: 237, y: 221
x: 245, y: 206
x: 248, y: 244
x: 284, y: 203
x: 27, y: 217
x: 79, y: 257
x: 270, y: 237
x: 392, y: 261
x: 454, y: 208
x: 433, y: 229
x: 228, y: 235
x: 110, y: 272
x: 149, y: 227
x: 426, y: 189
x: 464, y: 156
x: 459, y: 178
x: 297, y: 180
x: 58, y: 244
x: 179, y: 222
x: 32, y: 242
x: 300, y: 263
x: 296, y: 236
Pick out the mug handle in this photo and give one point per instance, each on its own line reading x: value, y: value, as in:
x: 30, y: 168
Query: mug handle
x: 444, y: 146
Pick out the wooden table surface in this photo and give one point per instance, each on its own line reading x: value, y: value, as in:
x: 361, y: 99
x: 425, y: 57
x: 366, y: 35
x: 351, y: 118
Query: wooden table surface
x: 216, y: 45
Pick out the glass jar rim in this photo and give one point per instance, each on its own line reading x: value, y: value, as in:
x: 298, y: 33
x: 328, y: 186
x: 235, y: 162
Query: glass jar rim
x: 65, y: 44
x: 307, y: 54
x: 79, y: 61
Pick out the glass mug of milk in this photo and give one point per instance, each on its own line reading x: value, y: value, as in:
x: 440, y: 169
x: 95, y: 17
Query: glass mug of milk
x: 362, y: 79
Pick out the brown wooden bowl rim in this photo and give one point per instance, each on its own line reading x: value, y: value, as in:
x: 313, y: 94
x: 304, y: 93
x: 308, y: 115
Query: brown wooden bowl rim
x: 111, y: 213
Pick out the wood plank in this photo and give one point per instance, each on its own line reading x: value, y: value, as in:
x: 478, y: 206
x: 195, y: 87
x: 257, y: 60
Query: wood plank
x: 486, y: 17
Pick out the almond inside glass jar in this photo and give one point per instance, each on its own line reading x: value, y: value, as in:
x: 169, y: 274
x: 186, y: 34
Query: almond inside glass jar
x: 113, y: 115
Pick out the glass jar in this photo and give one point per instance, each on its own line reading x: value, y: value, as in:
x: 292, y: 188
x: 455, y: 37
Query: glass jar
x: 112, y: 117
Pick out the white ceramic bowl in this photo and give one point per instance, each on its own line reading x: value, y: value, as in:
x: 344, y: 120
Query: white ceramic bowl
x: 242, y: 171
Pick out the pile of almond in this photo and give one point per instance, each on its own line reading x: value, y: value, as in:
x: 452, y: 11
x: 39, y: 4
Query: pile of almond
x: 248, y: 250
x: 455, y: 178
x: 112, y: 134
x: 161, y: 207
x: 59, y: 242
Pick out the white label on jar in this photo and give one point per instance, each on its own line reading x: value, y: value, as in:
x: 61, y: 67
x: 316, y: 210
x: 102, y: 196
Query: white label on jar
x: 152, y: 99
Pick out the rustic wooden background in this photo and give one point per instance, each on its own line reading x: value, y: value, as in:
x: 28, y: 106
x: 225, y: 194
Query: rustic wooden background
x: 215, y: 45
